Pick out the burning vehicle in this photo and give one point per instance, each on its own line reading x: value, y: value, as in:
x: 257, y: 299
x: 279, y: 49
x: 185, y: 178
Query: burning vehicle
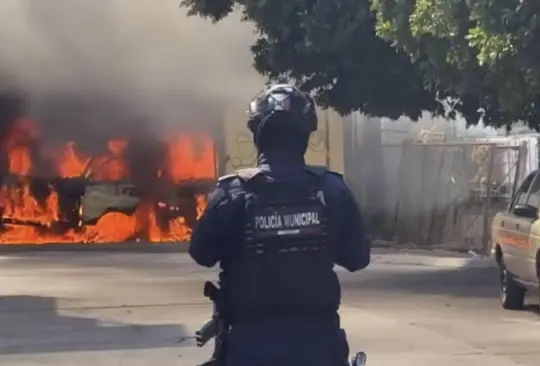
x: 127, y: 188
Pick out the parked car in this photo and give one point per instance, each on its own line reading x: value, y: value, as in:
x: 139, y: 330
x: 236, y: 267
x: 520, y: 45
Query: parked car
x: 516, y: 244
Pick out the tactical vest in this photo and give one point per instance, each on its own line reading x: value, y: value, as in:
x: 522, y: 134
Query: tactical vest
x: 284, y: 264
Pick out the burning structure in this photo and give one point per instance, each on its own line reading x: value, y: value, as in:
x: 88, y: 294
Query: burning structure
x: 129, y: 186
x: 111, y: 135
x: 128, y: 109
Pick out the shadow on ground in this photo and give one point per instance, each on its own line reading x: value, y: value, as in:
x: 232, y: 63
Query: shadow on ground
x: 33, y: 325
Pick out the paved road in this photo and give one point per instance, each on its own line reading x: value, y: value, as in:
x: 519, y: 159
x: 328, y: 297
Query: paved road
x: 133, y: 309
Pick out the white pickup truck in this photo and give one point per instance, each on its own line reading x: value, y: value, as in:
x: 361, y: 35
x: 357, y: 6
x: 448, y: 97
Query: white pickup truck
x: 516, y: 244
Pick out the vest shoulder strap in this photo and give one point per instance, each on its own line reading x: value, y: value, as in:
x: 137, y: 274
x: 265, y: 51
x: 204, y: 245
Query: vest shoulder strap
x: 321, y: 170
x: 227, y: 178
x: 337, y: 174
x: 248, y: 174
x: 243, y: 174
x: 237, y: 182
x: 317, y: 170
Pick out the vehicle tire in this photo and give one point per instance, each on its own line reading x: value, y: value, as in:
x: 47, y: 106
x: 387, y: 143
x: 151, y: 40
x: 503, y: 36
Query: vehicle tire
x: 512, y: 293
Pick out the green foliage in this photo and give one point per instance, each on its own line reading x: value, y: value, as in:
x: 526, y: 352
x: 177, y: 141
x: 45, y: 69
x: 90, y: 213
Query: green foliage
x: 329, y: 48
x: 213, y: 9
x: 484, y: 52
x: 393, y: 57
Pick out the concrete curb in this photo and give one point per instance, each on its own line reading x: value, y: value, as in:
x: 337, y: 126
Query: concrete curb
x: 133, y: 247
x: 433, y: 261
x: 179, y: 247
x: 403, y: 257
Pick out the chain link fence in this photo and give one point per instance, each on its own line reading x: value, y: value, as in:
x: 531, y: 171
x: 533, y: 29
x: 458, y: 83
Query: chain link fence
x: 438, y: 194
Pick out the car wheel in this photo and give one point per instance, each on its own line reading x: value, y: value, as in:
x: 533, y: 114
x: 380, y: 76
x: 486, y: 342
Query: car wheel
x: 512, y: 294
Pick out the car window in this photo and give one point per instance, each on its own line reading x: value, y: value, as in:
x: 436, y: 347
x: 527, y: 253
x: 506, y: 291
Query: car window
x: 533, y: 199
x: 521, y: 196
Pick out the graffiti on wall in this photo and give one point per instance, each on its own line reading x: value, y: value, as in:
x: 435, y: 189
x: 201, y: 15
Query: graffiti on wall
x: 244, y: 155
x: 243, y: 152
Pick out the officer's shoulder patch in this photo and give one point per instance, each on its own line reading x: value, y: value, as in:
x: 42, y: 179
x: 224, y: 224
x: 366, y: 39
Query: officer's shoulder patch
x: 248, y: 174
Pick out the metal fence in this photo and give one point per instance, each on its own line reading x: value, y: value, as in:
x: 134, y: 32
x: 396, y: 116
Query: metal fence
x: 438, y: 194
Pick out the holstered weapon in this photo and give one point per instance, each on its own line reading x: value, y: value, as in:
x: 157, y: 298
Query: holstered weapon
x: 216, y: 327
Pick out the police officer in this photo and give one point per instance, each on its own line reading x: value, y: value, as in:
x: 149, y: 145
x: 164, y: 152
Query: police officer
x: 277, y: 230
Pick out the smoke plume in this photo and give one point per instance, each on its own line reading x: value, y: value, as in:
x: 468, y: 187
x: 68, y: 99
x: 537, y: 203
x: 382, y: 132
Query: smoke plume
x: 89, y: 69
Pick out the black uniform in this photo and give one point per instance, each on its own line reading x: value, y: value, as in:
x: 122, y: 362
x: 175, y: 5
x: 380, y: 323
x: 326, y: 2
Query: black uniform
x: 277, y: 231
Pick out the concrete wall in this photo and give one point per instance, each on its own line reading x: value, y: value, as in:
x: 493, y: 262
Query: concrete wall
x: 239, y: 151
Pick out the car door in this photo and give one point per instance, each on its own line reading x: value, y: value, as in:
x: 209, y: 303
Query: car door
x: 515, y: 231
x: 528, y: 252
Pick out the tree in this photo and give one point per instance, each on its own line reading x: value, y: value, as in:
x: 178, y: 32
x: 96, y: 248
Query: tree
x: 485, y: 53
x: 330, y: 48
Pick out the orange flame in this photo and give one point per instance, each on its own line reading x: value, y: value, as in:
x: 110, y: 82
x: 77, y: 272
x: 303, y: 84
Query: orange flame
x: 30, y: 220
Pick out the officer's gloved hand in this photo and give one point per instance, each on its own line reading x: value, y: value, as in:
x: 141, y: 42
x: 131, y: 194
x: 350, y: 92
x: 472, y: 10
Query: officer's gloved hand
x: 359, y: 359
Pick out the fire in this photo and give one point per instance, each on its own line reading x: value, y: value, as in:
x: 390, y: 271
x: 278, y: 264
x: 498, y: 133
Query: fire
x: 19, y: 159
x: 31, y: 204
x: 19, y: 203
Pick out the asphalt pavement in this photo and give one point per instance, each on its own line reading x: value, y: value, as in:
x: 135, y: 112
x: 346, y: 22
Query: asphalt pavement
x: 122, y: 309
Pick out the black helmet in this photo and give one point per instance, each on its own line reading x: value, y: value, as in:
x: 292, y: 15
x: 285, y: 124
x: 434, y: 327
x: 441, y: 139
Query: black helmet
x: 282, y: 103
